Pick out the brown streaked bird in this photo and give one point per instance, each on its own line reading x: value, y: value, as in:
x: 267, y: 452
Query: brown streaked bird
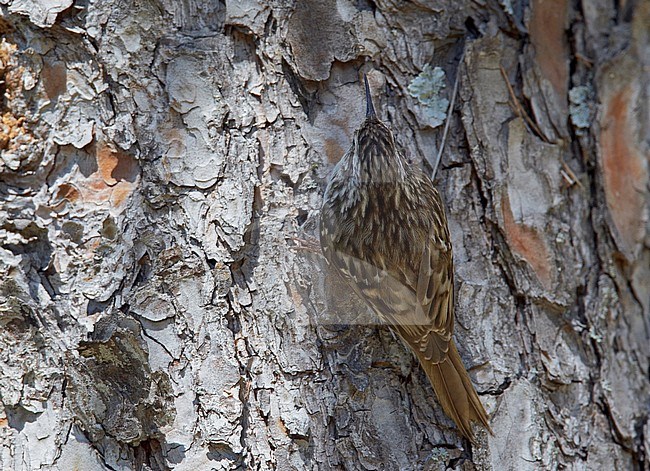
x: 384, y: 229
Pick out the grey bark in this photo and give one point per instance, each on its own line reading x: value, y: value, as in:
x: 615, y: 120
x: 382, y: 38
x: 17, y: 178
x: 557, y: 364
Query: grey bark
x: 160, y: 177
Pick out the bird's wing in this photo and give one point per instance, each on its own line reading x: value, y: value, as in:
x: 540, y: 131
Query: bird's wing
x: 419, y: 306
x: 434, y: 292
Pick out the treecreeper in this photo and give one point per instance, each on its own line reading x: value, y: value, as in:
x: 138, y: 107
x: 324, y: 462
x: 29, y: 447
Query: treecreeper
x: 383, y: 228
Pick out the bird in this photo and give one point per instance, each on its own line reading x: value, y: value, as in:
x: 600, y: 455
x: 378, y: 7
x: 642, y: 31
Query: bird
x: 383, y: 228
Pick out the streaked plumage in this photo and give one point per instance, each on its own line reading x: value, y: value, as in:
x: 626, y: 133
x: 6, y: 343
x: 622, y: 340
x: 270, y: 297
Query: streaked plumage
x: 383, y: 227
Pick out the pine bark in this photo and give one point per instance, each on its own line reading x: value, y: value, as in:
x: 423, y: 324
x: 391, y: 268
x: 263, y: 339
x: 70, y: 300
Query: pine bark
x: 161, y: 170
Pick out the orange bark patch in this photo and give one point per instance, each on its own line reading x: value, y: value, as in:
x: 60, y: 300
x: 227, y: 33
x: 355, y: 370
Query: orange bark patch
x: 10, y: 128
x: 54, y: 76
x: 115, y: 166
x: 624, y: 168
x: 113, y: 181
x: 527, y: 243
x: 335, y: 147
x: 120, y: 193
x: 107, y: 161
x: 546, y: 26
x: 333, y: 150
x: 68, y: 192
x: 127, y: 168
x: 109, y: 186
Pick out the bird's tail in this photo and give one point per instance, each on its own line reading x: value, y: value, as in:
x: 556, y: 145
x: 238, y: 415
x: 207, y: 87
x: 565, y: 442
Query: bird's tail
x: 455, y: 392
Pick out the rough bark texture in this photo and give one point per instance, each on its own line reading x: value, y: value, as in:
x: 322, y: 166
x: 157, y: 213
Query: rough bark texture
x: 160, y: 158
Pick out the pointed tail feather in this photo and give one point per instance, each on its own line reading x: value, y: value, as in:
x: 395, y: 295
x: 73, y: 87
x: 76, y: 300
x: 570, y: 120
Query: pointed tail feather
x: 455, y: 392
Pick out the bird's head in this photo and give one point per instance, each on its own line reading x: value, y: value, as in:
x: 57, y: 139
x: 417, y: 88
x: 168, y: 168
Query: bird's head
x: 374, y: 145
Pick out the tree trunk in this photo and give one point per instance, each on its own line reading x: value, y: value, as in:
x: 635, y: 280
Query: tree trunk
x: 161, y: 302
